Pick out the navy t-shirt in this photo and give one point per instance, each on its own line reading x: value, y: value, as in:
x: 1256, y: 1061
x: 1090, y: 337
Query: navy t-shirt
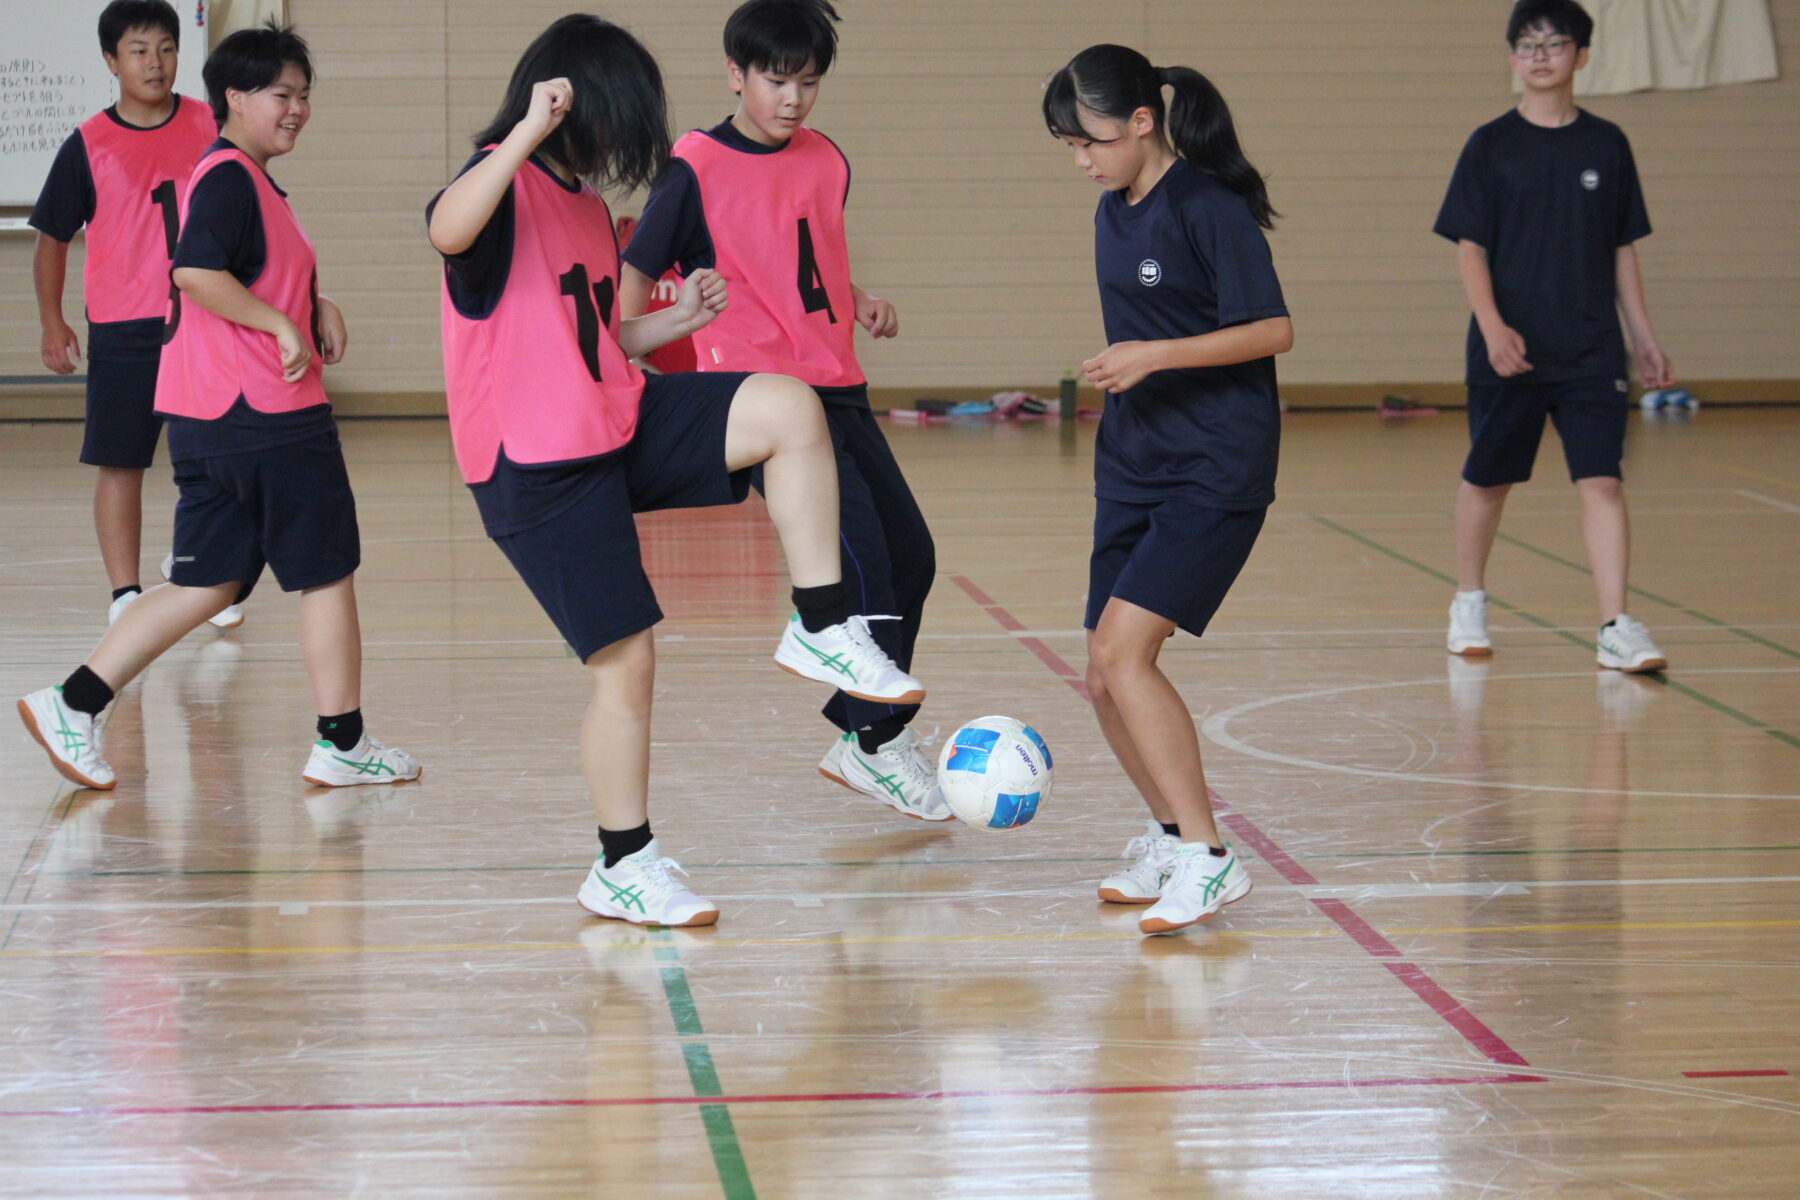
x: 1551, y: 207
x: 67, y: 203
x: 223, y: 231
x: 1185, y: 260
x: 673, y: 232
x: 515, y: 497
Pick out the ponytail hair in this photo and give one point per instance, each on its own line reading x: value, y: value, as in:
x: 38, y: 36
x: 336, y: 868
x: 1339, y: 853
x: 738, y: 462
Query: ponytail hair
x: 616, y: 133
x: 1115, y: 81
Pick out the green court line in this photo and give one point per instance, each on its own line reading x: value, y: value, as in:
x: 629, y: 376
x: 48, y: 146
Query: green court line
x: 721, y: 1133
x: 1696, y: 614
x: 1684, y: 689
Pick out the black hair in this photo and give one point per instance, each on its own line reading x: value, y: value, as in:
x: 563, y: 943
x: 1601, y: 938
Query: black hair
x: 782, y: 36
x: 122, y: 16
x: 617, y: 131
x: 1564, y: 17
x: 1115, y: 81
x: 251, y: 60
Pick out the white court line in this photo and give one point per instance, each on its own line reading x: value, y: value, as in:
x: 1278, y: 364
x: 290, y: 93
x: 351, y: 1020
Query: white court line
x: 1339, y: 891
x: 1783, y: 505
x: 1214, y: 728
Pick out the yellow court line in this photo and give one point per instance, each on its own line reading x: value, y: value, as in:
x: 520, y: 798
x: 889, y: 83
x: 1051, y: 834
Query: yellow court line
x: 702, y: 942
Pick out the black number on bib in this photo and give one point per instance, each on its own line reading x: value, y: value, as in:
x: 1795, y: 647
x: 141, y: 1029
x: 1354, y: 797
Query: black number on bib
x: 163, y: 196
x: 593, y: 310
x: 812, y: 284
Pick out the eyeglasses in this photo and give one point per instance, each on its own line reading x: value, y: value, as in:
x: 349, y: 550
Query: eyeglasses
x: 1551, y: 48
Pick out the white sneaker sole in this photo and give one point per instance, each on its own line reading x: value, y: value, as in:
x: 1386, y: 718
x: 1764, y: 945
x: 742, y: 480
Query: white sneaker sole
x: 915, y: 696
x: 65, y: 769
x: 1159, y: 925
x: 223, y: 621
x: 1115, y: 896
x: 363, y: 780
x: 1614, y: 663
x: 709, y: 916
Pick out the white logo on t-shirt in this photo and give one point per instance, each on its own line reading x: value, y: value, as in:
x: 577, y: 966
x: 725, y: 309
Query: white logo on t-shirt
x: 1149, y: 272
x: 1590, y: 179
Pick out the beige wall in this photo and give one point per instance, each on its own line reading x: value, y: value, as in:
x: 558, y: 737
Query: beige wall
x: 968, y: 216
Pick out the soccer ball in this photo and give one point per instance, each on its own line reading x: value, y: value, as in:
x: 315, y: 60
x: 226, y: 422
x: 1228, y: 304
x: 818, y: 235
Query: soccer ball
x: 995, y: 771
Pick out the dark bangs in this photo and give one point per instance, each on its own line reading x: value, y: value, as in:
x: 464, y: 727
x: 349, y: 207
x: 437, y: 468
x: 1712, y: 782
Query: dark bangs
x: 782, y: 37
x: 1062, y: 107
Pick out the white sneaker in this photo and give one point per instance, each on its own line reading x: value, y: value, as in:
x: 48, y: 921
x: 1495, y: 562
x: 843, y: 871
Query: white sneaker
x: 899, y: 775
x: 229, y: 617
x: 367, y: 762
x: 72, y: 739
x: 846, y: 657
x: 1199, y: 885
x: 1468, y: 625
x: 1624, y: 645
x: 832, y: 765
x: 641, y: 888
x: 120, y: 605
x: 1142, y: 882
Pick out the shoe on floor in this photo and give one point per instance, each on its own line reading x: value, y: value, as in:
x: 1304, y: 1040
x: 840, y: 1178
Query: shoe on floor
x: 642, y: 888
x: 70, y: 738
x: 900, y: 775
x: 1468, y: 626
x: 366, y: 762
x: 1142, y: 882
x: 1624, y: 645
x: 1200, y: 884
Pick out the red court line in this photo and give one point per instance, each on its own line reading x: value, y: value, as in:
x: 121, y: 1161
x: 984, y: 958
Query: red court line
x: 1050, y: 658
x: 1730, y: 1074
x: 1478, y: 1035
x: 776, y: 1098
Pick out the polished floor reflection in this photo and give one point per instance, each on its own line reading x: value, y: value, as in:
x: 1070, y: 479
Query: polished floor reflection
x: 1520, y: 928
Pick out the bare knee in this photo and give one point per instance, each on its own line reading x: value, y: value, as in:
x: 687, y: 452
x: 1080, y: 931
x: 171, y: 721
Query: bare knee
x: 1601, y: 489
x: 626, y: 667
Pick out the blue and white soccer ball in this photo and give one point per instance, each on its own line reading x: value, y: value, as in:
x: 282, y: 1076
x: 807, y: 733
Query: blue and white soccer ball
x: 1669, y: 398
x: 995, y: 772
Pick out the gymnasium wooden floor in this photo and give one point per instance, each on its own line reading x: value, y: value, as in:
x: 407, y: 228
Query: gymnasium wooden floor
x: 1526, y: 929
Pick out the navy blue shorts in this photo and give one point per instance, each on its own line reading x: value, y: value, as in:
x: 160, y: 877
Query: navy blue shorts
x: 1172, y: 558
x: 288, y: 507
x: 583, y: 564
x: 1506, y: 422
x: 122, y: 425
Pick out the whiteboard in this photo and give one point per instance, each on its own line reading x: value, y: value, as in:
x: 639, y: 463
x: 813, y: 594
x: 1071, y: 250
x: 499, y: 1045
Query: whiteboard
x: 52, y: 78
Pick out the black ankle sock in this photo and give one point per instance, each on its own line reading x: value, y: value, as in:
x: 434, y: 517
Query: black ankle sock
x: 879, y: 734
x: 1216, y: 851
x: 1171, y: 828
x: 86, y: 692
x: 343, y: 731
x: 821, y: 606
x: 130, y: 587
x: 623, y: 843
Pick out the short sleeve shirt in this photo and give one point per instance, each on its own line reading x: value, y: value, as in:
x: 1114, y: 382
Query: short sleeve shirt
x: 1187, y: 259
x: 1551, y: 206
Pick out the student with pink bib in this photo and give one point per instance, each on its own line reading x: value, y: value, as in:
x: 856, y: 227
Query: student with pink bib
x: 120, y: 176
x: 759, y: 198
x: 561, y: 439
x: 252, y: 439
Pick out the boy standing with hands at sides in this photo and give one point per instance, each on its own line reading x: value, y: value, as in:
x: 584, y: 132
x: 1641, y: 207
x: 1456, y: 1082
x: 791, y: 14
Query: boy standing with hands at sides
x: 1544, y: 208
x: 254, y: 447
x: 760, y: 199
x: 119, y: 175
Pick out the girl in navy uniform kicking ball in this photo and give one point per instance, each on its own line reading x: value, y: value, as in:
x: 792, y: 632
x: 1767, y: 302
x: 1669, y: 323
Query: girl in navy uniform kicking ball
x: 1184, y: 464
x: 561, y: 439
